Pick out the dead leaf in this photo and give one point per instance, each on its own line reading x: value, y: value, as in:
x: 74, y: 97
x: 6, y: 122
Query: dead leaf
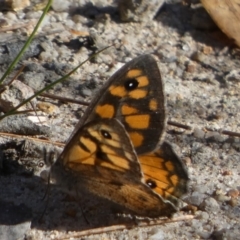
x: 226, y: 14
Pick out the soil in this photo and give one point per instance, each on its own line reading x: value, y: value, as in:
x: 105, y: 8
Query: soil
x: 200, y: 70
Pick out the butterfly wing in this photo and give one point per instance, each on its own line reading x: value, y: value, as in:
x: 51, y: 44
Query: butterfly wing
x: 134, y: 95
x: 165, y: 173
x: 103, y: 160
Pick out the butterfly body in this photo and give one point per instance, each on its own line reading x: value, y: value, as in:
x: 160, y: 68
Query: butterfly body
x: 115, y: 151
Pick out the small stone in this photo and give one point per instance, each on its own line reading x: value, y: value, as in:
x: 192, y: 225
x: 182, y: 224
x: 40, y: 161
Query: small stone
x: 48, y: 108
x: 10, y: 16
x: 187, y: 161
x: 33, y: 15
x: 195, y: 199
x: 233, y: 202
x: 138, y: 11
x: 157, y: 234
x: 220, y: 197
x: 210, y: 205
x: 233, y: 193
x: 203, y: 215
x: 60, y: 6
x: 207, y: 50
x: 18, y: 5
x: 3, y: 22
x: 198, y: 133
x: 226, y: 172
x: 234, y: 75
x: 198, y: 57
x: 226, y: 234
x: 191, y: 67
x: 86, y: 92
x: 214, y: 136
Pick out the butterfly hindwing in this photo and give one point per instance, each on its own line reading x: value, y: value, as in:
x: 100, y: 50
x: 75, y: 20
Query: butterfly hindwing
x: 164, y: 173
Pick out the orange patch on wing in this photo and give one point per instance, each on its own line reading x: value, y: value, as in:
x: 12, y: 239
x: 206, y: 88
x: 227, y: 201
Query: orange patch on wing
x: 79, y: 155
x: 138, y: 121
x: 138, y: 93
x: 155, y: 173
x: 118, y: 91
x: 153, y: 105
x: 133, y: 73
x: 105, y: 111
x: 129, y: 156
x: 127, y: 110
x: 143, y: 81
x: 137, y: 138
x: 107, y: 150
x: 169, y: 166
x: 175, y: 180
x: 161, y: 190
x: 90, y: 161
x: 118, y: 163
x: 151, y: 160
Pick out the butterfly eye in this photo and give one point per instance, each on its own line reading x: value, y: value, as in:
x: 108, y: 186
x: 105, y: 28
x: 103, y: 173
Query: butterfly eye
x: 106, y: 134
x: 131, y: 84
x: 40, y: 164
x: 152, y: 184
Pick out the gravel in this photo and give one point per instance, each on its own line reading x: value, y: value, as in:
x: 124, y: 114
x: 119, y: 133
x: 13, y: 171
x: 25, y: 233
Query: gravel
x: 201, y: 75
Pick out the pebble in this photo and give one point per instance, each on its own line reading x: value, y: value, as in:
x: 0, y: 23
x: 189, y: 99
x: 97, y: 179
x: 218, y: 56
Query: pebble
x: 138, y: 11
x: 198, y: 57
x: 191, y: 67
x: 234, y: 75
x: 187, y: 161
x: 48, y: 108
x: 17, y: 5
x: 203, y: 215
x: 233, y: 202
x: 157, y: 234
x: 38, y: 82
x: 10, y: 16
x: 196, y: 198
x: 33, y: 15
x: 233, y: 193
x: 60, y: 5
x: 198, y: 133
x: 214, y: 136
x: 210, y: 205
x: 225, y: 234
x: 199, y: 88
x: 221, y: 197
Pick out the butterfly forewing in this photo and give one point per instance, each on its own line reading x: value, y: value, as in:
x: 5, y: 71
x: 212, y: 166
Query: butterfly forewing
x: 134, y: 95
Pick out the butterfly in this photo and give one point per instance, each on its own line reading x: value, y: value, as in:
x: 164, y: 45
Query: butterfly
x: 116, y: 149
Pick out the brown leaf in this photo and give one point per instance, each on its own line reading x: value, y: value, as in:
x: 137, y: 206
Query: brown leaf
x: 226, y: 14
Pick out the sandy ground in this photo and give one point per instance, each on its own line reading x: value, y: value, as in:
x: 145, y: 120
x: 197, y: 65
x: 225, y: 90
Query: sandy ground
x: 200, y: 69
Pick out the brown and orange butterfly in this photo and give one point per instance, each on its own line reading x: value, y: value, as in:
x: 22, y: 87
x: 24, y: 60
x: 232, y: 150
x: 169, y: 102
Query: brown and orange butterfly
x: 116, y: 150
